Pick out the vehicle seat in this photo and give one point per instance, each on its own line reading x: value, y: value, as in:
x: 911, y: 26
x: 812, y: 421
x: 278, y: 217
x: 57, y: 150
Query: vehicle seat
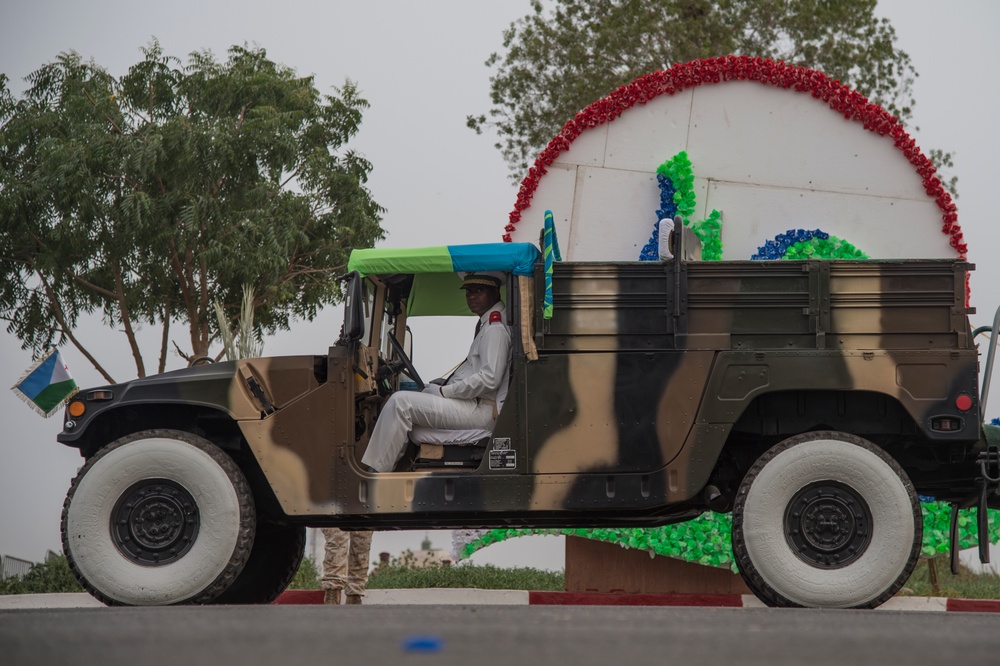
x: 437, y: 447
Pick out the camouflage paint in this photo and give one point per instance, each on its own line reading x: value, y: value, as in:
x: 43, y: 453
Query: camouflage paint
x: 642, y: 375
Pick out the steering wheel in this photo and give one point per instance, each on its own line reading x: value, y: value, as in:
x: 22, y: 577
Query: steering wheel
x: 407, y: 363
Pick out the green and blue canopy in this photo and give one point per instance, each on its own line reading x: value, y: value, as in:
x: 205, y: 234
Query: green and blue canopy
x: 436, y: 282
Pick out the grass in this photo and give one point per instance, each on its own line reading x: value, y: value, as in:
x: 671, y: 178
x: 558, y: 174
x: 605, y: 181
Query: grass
x: 55, y: 576
x: 401, y: 573
x: 485, y: 577
x: 966, y: 585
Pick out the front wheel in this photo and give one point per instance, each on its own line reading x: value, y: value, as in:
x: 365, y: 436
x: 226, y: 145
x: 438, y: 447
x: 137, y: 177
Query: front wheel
x: 277, y: 552
x: 828, y: 520
x: 158, y: 517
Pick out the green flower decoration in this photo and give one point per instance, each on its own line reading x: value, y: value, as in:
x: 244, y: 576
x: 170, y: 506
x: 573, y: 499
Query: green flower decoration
x: 707, y: 539
x: 824, y: 248
x: 709, y: 231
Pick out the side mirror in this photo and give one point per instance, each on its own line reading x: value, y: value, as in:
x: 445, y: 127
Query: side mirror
x: 354, y: 308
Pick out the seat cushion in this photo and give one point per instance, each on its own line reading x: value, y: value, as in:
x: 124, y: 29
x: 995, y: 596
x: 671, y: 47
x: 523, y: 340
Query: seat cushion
x: 426, y: 435
x: 449, y: 448
x: 440, y: 455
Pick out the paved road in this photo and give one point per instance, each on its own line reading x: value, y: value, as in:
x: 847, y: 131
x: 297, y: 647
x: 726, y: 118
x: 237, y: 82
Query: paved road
x: 494, y: 635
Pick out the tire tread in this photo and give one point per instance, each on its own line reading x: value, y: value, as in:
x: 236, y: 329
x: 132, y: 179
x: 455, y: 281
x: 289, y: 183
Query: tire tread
x: 244, y: 496
x: 754, y: 580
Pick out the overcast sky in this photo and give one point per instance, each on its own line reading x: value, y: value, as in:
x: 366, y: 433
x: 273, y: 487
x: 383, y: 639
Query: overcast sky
x: 420, y: 65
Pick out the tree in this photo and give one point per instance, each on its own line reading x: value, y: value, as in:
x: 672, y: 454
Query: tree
x: 149, y: 196
x: 244, y: 341
x: 557, y: 62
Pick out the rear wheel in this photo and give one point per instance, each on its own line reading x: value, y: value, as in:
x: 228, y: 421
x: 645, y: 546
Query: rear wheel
x: 826, y: 519
x: 274, y: 561
x: 158, y: 517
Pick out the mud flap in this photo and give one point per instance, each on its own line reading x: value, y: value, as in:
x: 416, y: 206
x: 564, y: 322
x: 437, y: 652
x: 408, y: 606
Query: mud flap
x: 989, y: 484
x: 988, y: 481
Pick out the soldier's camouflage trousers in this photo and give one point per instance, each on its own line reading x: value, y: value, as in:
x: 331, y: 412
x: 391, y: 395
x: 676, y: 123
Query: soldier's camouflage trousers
x: 345, y: 565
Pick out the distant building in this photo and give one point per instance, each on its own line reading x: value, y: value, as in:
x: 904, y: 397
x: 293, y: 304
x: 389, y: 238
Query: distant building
x: 429, y: 556
x: 315, y: 546
x: 14, y: 567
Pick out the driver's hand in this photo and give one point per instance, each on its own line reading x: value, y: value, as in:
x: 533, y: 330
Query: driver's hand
x: 433, y: 389
x: 439, y: 381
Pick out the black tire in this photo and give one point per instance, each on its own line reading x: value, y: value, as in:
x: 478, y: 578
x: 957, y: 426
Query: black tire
x: 274, y: 561
x: 158, y: 517
x: 827, y: 520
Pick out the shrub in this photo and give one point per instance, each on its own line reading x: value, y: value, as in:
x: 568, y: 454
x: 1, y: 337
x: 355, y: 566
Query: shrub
x: 403, y: 573
x: 307, y: 577
x: 53, y: 575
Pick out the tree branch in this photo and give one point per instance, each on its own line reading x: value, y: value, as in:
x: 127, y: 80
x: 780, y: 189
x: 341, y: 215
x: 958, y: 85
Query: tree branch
x: 175, y: 261
x: 294, y: 273
x: 106, y: 116
x: 239, y: 126
x: 203, y: 330
x: 295, y: 173
x: 127, y: 323
x: 243, y: 116
x: 131, y: 183
x: 100, y: 290
x: 181, y: 353
x: 60, y: 318
x: 185, y: 275
x: 164, y: 339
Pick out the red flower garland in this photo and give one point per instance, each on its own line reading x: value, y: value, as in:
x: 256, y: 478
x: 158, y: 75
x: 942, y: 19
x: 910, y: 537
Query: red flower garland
x: 840, y: 98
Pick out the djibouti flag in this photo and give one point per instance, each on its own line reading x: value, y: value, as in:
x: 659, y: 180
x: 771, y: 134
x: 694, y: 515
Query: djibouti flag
x: 46, y: 384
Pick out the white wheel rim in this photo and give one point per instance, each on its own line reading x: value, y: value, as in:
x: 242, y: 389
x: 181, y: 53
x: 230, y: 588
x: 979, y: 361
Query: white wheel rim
x: 89, y: 515
x: 873, y: 479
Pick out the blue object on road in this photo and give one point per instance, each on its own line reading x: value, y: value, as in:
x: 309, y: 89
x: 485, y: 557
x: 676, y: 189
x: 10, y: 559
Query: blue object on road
x: 422, y: 644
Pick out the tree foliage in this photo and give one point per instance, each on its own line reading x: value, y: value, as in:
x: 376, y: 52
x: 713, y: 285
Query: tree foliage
x: 556, y: 62
x: 149, y: 196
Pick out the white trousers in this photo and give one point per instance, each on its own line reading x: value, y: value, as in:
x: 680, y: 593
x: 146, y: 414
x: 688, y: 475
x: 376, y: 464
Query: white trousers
x: 406, y: 409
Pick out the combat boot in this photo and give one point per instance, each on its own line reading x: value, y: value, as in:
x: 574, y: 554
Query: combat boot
x: 332, y: 597
x: 353, y: 599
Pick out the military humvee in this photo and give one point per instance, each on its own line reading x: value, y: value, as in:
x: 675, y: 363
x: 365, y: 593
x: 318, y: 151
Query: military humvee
x: 813, y: 399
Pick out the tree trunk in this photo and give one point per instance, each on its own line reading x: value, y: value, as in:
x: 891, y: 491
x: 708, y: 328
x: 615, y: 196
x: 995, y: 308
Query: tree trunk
x: 932, y: 574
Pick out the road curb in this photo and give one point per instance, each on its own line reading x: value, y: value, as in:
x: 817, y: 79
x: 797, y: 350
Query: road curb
x: 418, y: 597
x: 612, y: 599
x: 50, y: 600
x: 974, y: 605
x: 442, y: 596
x: 476, y: 597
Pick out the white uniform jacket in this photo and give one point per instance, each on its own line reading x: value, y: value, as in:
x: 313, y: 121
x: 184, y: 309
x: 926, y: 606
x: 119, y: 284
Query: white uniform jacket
x: 483, y: 374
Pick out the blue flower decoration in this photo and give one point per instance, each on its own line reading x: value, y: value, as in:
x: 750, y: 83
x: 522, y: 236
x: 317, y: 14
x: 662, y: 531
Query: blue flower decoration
x: 776, y: 249
x: 668, y: 208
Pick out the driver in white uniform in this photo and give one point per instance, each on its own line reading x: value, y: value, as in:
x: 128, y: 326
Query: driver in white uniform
x: 465, y: 400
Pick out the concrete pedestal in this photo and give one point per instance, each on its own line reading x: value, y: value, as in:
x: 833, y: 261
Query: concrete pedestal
x: 596, y: 566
